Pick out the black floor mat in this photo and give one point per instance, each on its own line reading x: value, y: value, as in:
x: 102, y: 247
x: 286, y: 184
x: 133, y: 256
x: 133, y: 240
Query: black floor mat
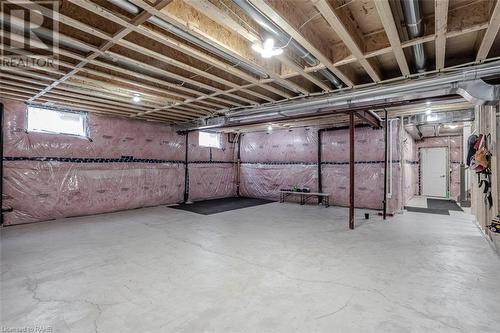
x: 427, y: 210
x: 214, y: 206
x: 443, y: 204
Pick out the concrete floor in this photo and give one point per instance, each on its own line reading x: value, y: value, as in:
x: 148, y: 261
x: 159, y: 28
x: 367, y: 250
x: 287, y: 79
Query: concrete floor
x: 271, y: 268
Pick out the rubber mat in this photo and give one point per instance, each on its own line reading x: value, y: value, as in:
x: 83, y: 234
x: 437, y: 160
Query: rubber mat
x: 443, y: 204
x: 427, y: 210
x: 214, y: 206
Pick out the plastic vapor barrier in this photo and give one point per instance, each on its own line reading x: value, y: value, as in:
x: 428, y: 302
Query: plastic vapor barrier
x: 212, y: 173
x: 209, y: 181
x: 265, y: 181
x: 293, y: 145
x: 410, y: 165
x: 281, y: 159
x: 123, y: 164
x: 41, y: 191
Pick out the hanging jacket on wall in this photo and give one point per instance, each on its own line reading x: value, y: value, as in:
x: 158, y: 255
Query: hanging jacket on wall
x: 480, y: 163
x: 471, y: 142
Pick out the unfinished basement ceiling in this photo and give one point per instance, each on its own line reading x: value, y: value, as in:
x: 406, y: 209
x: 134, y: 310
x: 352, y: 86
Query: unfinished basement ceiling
x: 192, y: 59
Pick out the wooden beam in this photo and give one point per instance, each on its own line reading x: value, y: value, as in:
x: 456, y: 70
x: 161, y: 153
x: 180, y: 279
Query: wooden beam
x: 205, y: 7
x: 490, y: 34
x: 369, y: 118
x: 385, y: 14
x: 192, y: 30
x: 113, y: 77
x: 441, y: 23
x: 139, y: 19
x: 294, y: 33
x: 132, y: 46
x: 22, y: 97
x: 73, y: 85
x: 347, y: 32
x: 121, y: 70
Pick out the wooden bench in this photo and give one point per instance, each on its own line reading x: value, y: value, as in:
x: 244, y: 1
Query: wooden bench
x: 322, y: 197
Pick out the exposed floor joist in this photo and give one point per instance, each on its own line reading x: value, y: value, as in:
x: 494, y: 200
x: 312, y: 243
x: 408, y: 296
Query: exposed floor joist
x: 347, y: 32
x: 490, y: 34
x: 287, y: 27
x: 118, y: 54
x: 441, y: 22
x: 385, y: 13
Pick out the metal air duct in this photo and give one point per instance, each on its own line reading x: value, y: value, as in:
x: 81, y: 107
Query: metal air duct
x: 415, y: 29
x: 133, y: 9
x: 466, y: 83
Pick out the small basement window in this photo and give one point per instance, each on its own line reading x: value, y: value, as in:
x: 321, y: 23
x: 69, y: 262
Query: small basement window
x: 56, y: 122
x: 209, y: 139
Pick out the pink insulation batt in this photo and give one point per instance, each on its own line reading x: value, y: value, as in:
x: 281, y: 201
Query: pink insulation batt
x: 44, y: 190
x: 283, y: 158
x: 211, y: 179
x: 410, y: 165
x: 41, y: 191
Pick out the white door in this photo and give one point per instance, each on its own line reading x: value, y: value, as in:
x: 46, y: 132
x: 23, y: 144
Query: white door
x: 434, y: 166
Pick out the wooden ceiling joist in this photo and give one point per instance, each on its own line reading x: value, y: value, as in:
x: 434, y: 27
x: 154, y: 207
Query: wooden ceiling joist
x: 139, y: 19
x: 347, y: 32
x: 71, y: 40
x: 108, y: 56
x: 295, y: 34
x: 385, y: 14
x: 90, y: 94
x: 19, y: 96
x: 86, y: 70
x: 441, y: 22
x: 173, y: 43
x: 490, y: 34
x: 104, y: 100
x: 214, y: 13
x: 96, y: 51
x: 120, y: 70
x: 83, y: 84
x: 192, y: 30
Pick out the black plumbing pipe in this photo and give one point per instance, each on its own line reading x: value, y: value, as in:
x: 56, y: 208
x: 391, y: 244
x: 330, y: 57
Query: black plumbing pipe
x: 1, y: 161
x: 386, y: 158
x: 320, y: 181
x: 186, y: 171
x: 238, y: 161
x: 351, y: 170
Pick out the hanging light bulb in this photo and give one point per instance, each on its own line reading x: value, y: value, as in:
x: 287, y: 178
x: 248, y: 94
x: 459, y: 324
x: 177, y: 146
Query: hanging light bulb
x: 136, y: 98
x: 267, y: 49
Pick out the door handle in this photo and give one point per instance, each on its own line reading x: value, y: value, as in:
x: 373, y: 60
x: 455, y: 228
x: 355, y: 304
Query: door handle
x: 442, y: 176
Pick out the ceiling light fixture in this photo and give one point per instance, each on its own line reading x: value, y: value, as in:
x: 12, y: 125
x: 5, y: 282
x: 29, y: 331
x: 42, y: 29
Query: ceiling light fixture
x: 136, y: 98
x: 428, y: 111
x: 270, y: 127
x: 432, y: 118
x: 267, y: 49
x: 451, y: 126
